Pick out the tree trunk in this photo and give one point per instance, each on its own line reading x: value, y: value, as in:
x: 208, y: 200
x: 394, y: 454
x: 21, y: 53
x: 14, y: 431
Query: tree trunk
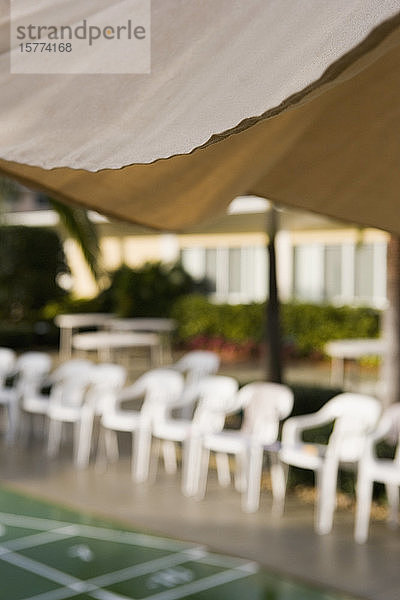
x: 390, y: 376
x: 273, y: 327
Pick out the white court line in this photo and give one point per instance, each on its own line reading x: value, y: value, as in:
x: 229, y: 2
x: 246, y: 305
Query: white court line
x: 59, y: 594
x: 37, y: 539
x: 91, y: 586
x: 249, y: 568
x: 64, y: 592
x: 40, y: 569
x: 227, y: 562
x: 102, y: 533
x: 30, y: 522
x: 132, y: 538
x: 73, y: 586
x: 200, y: 585
x: 148, y: 567
x: 106, y: 595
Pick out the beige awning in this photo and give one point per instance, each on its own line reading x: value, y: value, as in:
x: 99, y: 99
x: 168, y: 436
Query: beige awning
x: 298, y: 102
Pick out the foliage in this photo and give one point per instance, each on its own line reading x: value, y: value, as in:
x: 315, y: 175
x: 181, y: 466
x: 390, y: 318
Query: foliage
x: 31, y: 258
x: 149, y: 291
x: 79, y: 226
x: 26, y: 335
x: 196, y: 316
x: 309, y: 326
x: 306, y: 327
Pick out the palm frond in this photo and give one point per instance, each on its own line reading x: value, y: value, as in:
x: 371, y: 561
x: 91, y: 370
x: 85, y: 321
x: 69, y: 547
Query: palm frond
x: 80, y: 227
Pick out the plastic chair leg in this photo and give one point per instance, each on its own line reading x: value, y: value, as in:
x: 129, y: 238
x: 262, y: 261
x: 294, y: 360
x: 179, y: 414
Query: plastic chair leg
x: 251, y: 498
x: 279, y: 473
x: 141, y: 449
x: 241, y: 472
x: 101, y: 456
x: 154, y: 459
x: 392, y: 492
x: 169, y: 455
x: 13, y: 418
x: 54, y: 441
x: 223, y: 470
x: 83, y: 440
x: 191, y: 466
x: 363, y: 509
x: 327, y: 481
x: 111, y: 445
x: 200, y: 492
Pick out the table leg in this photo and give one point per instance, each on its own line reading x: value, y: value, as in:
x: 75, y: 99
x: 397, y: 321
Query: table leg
x: 65, y: 343
x: 337, y: 370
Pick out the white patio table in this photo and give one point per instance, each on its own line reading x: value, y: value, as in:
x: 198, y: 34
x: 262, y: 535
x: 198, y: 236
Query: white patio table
x: 162, y: 326
x: 106, y: 342
x: 351, y: 349
x: 70, y: 322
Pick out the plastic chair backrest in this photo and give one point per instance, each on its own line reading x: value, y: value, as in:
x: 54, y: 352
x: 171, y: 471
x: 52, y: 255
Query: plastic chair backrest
x: 217, y: 397
x: 198, y: 364
x: 265, y: 404
x: 31, y: 368
x: 161, y: 388
x: 107, y: 380
x: 389, y: 427
x: 7, y: 362
x: 354, y: 416
x: 69, y: 368
x: 70, y: 391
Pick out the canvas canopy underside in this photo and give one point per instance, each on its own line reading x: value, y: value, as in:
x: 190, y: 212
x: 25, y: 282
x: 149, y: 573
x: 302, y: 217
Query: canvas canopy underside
x: 309, y: 120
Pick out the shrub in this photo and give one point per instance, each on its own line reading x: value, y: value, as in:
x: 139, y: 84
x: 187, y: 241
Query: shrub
x: 31, y: 258
x: 26, y: 335
x: 306, y: 327
x: 149, y: 291
x: 197, y: 316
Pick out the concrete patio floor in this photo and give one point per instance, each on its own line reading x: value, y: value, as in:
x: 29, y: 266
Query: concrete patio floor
x: 286, y: 546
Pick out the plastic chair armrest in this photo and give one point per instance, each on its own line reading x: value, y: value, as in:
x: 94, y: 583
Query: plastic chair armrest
x: 294, y: 427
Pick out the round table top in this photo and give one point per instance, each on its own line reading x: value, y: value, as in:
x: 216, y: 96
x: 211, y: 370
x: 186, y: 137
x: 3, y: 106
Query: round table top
x: 355, y: 348
x: 82, y: 319
x: 105, y: 339
x: 158, y: 325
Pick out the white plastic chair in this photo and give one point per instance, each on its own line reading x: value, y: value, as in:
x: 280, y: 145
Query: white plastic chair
x: 160, y: 390
x: 353, y: 417
x: 107, y: 381
x: 65, y: 405
x: 195, y: 365
x: 386, y: 471
x: 83, y: 392
x: 29, y: 371
x: 38, y: 404
x: 265, y: 404
x: 7, y: 361
x: 216, y: 398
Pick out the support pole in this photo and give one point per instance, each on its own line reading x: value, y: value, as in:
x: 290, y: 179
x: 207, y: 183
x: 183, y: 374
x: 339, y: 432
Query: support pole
x: 273, y: 326
x: 390, y: 374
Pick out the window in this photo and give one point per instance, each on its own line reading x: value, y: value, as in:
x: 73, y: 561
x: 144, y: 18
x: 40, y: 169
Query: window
x: 364, y: 271
x: 233, y: 274
x: 333, y: 272
x: 308, y: 284
x: 235, y: 270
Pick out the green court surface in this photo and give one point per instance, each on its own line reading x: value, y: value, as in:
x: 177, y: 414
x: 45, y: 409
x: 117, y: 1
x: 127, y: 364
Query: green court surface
x: 50, y: 553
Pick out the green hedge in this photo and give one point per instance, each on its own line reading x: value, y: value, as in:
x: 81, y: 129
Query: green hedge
x: 306, y: 327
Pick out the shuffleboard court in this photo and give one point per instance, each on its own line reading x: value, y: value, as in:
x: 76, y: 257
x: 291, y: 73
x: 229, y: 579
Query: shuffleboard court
x: 51, y: 553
